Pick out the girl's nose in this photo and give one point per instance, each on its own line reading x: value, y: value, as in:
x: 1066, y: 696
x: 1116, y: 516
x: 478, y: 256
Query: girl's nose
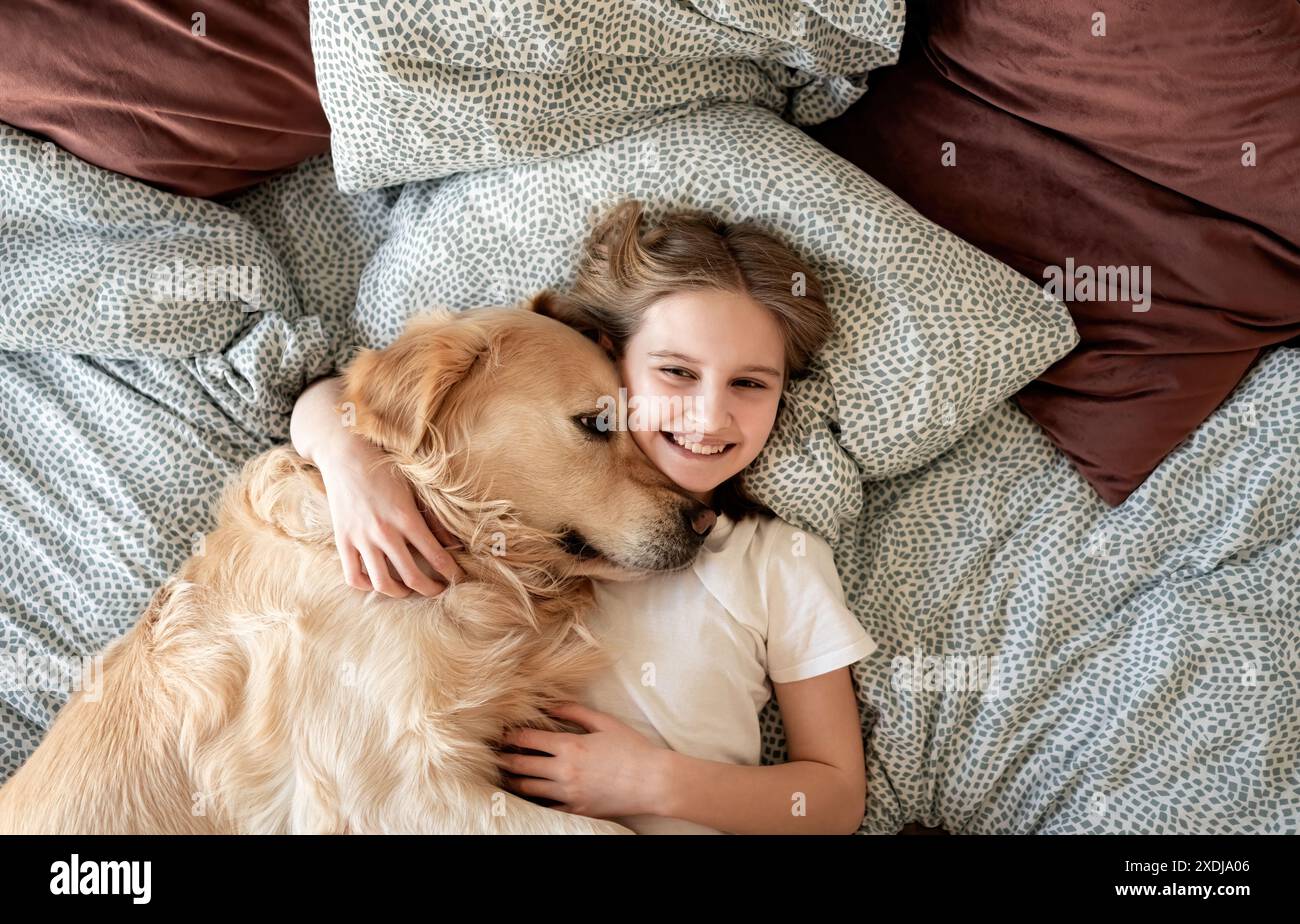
x: 708, y: 413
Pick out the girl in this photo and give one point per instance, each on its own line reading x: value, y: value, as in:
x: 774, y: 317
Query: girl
x: 705, y: 312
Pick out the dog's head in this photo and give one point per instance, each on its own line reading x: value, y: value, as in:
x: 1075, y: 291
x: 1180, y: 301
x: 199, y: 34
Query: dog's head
x: 522, y: 402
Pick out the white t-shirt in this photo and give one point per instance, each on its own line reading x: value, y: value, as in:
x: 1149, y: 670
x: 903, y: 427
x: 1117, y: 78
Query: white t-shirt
x: 699, y: 648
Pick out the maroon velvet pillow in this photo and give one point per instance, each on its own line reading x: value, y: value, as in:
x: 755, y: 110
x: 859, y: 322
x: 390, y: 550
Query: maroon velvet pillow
x: 1171, y: 91
x: 128, y: 85
x: 1129, y: 153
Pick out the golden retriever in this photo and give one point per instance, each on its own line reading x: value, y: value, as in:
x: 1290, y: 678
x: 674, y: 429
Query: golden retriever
x: 259, y: 693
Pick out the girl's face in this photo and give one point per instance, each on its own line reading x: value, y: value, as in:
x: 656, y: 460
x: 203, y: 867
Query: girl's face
x: 713, y: 363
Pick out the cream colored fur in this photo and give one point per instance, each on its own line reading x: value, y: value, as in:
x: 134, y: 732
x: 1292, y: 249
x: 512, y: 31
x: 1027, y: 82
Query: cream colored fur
x: 259, y: 693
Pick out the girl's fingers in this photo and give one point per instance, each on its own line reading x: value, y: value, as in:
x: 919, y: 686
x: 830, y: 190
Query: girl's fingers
x: 535, y: 739
x: 380, y: 576
x: 590, y: 719
x: 525, y: 764
x: 400, y: 557
x: 441, y: 533
x: 437, y: 556
x: 527, y: 786
x: 352, y: 572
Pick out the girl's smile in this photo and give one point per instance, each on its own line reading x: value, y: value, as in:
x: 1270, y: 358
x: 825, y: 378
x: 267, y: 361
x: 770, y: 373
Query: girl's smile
x: 690, y: 447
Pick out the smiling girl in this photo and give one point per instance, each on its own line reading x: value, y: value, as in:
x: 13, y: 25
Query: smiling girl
x: 714, y: 319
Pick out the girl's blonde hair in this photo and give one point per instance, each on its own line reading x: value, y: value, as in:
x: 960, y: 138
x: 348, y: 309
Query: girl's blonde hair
x: 626, y: 268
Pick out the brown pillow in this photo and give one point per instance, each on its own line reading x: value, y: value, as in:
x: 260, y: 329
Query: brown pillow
x: 1171, y: 91
x: 1223, y: 283
x: 127, y: 85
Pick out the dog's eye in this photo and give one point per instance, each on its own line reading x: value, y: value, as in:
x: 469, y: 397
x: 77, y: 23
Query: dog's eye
x: 593, y: 425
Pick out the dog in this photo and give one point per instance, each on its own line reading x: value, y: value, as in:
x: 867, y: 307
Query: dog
x: 258, y: 693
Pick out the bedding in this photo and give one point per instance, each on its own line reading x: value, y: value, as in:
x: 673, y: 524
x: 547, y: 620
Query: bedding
x: 1219, y: 289
x: 416, y: 91
x: 200, y: 103
x: 1225, y: 75
x: 1138, y: 664
x: 1054, y: 665
x: 1146, y: 147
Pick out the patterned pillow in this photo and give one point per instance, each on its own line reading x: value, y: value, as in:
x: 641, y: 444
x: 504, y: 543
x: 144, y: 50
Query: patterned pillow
x: 931, y: 331
x: 417, y: 91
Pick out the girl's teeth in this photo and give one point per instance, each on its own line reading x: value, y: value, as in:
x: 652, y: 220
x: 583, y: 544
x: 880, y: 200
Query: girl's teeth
x: 698, y: 448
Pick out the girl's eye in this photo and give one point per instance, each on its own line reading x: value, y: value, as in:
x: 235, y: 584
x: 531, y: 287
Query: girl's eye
x: 673, y: 370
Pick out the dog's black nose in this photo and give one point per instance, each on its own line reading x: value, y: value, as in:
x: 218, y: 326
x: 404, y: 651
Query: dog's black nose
x: 701, y: 520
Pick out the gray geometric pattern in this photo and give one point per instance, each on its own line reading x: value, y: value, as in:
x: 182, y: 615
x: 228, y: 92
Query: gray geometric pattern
x: 417, y: 90
x: 1147, y: 654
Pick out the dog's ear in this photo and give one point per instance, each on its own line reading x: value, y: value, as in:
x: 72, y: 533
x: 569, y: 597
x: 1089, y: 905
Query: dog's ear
x: 551, y: 304
x: 391, y: 396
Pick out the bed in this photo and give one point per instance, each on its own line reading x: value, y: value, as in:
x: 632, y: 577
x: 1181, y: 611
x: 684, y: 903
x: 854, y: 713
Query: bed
x: 1048, y: 662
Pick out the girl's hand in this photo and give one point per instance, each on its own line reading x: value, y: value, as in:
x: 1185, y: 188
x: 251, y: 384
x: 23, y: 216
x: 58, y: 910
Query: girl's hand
x: 602, y: 774
x: 377, y: 521
x: 373, y: 508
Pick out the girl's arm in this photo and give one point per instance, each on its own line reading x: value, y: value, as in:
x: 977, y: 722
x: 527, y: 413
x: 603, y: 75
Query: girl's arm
x: 373, y: 510
x: 316, y: 428
x: 821, y: 790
